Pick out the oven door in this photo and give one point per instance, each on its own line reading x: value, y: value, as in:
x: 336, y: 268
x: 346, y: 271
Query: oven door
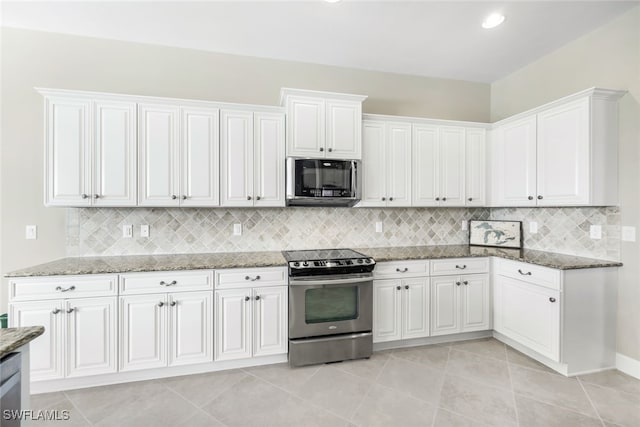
x: 330, y: 305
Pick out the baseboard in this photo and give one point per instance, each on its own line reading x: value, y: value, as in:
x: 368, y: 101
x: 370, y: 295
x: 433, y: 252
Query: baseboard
x: 628, y: 365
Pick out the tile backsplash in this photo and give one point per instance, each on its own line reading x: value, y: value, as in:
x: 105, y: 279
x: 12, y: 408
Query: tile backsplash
x: 92, y: 232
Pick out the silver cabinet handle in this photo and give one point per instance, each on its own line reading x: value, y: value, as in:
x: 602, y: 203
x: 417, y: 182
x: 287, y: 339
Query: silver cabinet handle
x: 252, y: 279
x: 248, y: 197
x: 398, y: 287
x: 406, y: 286
x: 470, y: 199
x: 404, y: 270
x: 391, y: 199
x: 61, y: 289
x: 55, y: 311
x: 257, y: 297
x: 247, y: 298
x: 539, y: 197
x: 444, y: 199
x: 184, y: 197
x: 161, y: 304
x: 96, y: 196
x: 173, y: 303
x: 458, y: 283
x: 461, y: 267
x: 530, y: 197
x: 173, y: 197
x: 70, y: 310
x: 321, y: 149
x: 437, y: 199
x: 465, y: 282
x: 257, y: 197
x: 528, y: 273
x: 330, y: 149
x: 163, y: 283
x: 84, y: 196
x: 552, y: 299
x: 384, y: 198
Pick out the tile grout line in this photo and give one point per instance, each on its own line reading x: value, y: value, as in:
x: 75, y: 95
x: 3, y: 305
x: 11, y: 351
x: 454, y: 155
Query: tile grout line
x: 198, y: 408
x: 584, y: 390
x: 373, y: 383
x: 513, y: 391
x: 446, y: 370
x: 77, y: 408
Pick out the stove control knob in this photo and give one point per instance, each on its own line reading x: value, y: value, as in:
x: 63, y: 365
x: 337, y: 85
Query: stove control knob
x: 359, y: 261
x: 305, y: 264
x: 296, y: 264
x: 368, y: 261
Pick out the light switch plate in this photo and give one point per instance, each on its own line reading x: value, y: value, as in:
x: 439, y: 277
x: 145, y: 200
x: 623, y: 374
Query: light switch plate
x: 31, y: 232
x: 127, y: 231
x: 533, y: 227
x: 595, y: 232
x: 144, y: 230
x: 237, y: 229
x: 628, y: 234
x: 378, y: 226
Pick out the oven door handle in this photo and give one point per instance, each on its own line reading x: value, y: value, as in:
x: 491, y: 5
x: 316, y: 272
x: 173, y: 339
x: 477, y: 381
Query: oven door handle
x: 329, y: 282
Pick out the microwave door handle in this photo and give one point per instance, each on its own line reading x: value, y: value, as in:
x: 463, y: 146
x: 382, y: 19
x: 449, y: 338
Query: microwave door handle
x: 328, y: 282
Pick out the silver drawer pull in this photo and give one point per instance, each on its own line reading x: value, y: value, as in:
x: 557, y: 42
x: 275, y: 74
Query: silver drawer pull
x: 528, y: 273
x: 61, y: 289
x: 173, y: 303
x: 71, y: 310
x: 465, y: 282
x: 163, y: 283
x: 404, y: 270
x: 461, y: 267
x: 458, y: 283
x: 161, y: 304
x: 247, y: 298
x: 257, y: 297
x: 252, y: 279
x: 552, y: 299
x: 56, y: 311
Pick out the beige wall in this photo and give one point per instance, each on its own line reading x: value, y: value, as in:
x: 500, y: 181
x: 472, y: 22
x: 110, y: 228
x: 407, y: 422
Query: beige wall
x: 610, y: 58
x: 41, y: 59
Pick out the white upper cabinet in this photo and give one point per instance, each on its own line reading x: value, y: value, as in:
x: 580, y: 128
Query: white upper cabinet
x: 158, y: 170
x: 199, y: 151
x: 475, y: 168
x: 426, y: 165
x: 323, y: 124
x: 561, y: 154
x: 90, y: 151
x: 386, y: 160
x: 252, y: 158
x: 452, y: 165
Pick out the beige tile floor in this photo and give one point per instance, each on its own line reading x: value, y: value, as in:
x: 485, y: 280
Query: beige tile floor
x: 474, y: 383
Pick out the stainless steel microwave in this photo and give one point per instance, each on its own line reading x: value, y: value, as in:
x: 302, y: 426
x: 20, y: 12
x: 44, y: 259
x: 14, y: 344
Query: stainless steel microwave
x: 322, y: 182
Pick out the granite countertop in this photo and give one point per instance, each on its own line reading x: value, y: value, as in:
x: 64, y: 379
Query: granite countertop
x: 14, y: 338
x: 138, y: 263
x: 545, y: 259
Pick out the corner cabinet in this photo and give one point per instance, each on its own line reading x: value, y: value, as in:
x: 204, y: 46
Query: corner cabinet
x: 90, y: 150
x: 561, y: 154
x: 323, y: 124
x: 252, y: 158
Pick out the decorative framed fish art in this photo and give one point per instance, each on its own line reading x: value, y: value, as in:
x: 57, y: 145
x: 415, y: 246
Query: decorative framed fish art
x: 502, y: 234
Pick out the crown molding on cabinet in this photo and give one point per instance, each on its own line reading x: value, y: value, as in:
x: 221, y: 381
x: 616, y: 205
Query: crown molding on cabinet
x: 286, y: 92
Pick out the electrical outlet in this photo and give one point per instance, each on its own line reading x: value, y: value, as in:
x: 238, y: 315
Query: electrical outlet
x: 628, y: 234
x: 533, y: 227
x: 464, y: 225
x: 595, y: 232
x: 31, y: 232
x: 127, y: 231
x: 237, y: 229
x: 379, y: 227
x: 144, y: 230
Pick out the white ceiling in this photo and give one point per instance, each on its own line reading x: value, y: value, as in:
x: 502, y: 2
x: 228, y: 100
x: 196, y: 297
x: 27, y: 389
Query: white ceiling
x: 437, y: 39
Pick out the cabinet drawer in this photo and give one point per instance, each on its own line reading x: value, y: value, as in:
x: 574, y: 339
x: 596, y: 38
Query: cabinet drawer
x: 165, y: 281
x: 243, y: 277
x: 445, y: 267
x: 401, y: 269
x: 530, y: 273
x: 51, y: 287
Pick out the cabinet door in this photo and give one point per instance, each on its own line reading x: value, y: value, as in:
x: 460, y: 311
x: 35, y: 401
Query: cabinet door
x: 387, y: 306
x: 200, y: 165
x: 143, y: 331
x: 426, y: 166
x: 68, y: 152
x: 475, y: 164
x: 528, y: 314
x: 158, y: 165
x: 114, y: 154
x: 374, y: 164
x: 233, y: 324
x: 563, y: 155
x: 415, y: 308
x: 269, y: 159
x: 46, y: 360
x: 190, y: 328
x: 91, y: 336
x: 452, y: 167
x: 270, y: 333
x: 305, y: 127
x: 344, y: 132
x: 236, y: 158
x: 445, y: 305
x: 514, y: 168
x: 398, y: 152
x: 476, y: 308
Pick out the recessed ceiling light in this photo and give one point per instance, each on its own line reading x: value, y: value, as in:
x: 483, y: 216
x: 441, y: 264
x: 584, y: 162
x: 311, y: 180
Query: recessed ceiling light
x: 493, y: 20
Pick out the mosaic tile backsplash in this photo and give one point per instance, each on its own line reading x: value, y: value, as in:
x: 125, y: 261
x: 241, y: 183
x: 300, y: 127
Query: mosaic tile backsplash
x: 92, y: 232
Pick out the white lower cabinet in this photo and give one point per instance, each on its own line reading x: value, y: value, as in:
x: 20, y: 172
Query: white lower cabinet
x: 529, y: 314
x: 460, y: 304
x: 400, y: 309
x: 79, y: 337
x: 158, y: 330
x: 250, y: 322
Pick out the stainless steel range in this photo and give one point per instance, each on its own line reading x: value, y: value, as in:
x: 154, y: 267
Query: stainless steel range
x: 330, y: 305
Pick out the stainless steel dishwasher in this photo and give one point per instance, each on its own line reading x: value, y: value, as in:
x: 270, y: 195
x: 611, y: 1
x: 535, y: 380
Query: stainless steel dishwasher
x: 10, y: 389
